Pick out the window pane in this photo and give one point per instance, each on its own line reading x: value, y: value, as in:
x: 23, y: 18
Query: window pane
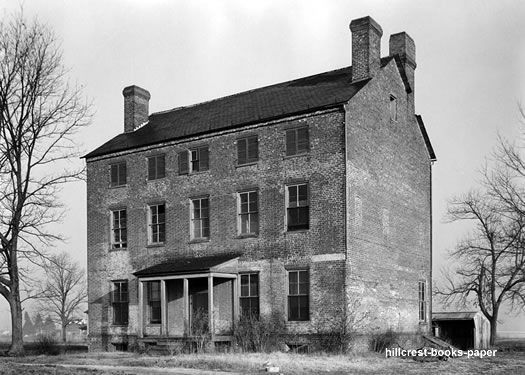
x: 196, y: 229
x: 293, y: 308
x: 206, y: 228
x: 161, y: 166
x: 292, y: 196
x: 114, y: 175
x: 303, y: 308
x: 254, y: 285
x: 253, y: 201
x: 303, y: 195
x: 162, y: 232
x: 183, y: 162
x: 122, y: 174
x: 203, y: 156
x: 244, y: 224
x: 254, y: 223
x: 151, y: 169
x: 253, y: 152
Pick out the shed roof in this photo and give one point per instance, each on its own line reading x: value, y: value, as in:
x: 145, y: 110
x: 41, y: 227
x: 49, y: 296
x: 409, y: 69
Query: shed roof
x: 187, y: 265
x: 454, y: 315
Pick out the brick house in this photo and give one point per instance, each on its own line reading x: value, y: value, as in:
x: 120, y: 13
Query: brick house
x: 308, y: 200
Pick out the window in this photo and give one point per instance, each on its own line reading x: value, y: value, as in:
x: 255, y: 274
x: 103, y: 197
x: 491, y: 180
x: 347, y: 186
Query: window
x: 298, y: 299
x: 120, y: 302
x: 249, y: 297
x: 156, y: 167
x: 297, y: 141
x: 119, y: 231
x: 157, y: 223
x: 194, y: 160
x: 118, y: 174
x: 247, y: 150
x: 248, y: 213
x: 393, y: 108
x: 297, y: 209
x: 422, y: 302
x: 200, y: 218
x: 154, y: 301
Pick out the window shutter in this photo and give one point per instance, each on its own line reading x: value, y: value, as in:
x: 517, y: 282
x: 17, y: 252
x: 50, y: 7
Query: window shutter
x: 253, y: 149
x: 122, y: 174
x: 302, y: 140
x: 183, y: 162
x: 204, y: 159
x: 114, y: 175
x: 241, y: 151
x: 151, y: 168
x: 161, y: 166
x: 290, y: 142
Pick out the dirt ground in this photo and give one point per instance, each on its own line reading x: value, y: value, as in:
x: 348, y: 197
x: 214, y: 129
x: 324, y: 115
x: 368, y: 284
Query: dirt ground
x: 129, y: 363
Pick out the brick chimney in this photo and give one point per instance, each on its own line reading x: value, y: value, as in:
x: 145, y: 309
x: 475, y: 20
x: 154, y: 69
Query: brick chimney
x: 402, y: 45
x: 136, y: 107
x: 366, y: 48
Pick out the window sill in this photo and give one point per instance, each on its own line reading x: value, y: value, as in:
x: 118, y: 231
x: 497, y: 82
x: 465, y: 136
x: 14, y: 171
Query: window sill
x: 160, y: 244
x: 243, y: 236
x: 117, y: 186
x: 297, y: 230
x: 155, y: 179
x: 247, y: 164
x: 303, y: 154
x: 114, y: 249
x: 119, y: 325
x: 299, y: 321
x: 199, y: 240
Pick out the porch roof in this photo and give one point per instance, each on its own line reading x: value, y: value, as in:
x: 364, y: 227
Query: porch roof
x: 189, y: 265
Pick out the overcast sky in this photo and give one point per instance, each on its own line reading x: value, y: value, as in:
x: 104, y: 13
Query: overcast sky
x: 468, y: 77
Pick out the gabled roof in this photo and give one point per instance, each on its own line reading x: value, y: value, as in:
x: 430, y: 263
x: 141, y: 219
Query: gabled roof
x: 187, y: 265
x: 320, y: 91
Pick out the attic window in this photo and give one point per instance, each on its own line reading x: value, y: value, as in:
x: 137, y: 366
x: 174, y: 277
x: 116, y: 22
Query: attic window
x: 393, y: 108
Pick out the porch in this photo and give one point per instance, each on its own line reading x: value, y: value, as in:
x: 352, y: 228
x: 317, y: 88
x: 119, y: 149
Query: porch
x: 188, y: 298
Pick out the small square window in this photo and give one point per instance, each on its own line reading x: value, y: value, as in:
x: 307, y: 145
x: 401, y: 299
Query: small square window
x: 247, y: 150
x: 297, y: 141
x: 118, y: 174
x: 195, y: 160
x: 156, y: 167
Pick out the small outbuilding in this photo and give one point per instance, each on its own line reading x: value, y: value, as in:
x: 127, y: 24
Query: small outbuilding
x: 464, y: 330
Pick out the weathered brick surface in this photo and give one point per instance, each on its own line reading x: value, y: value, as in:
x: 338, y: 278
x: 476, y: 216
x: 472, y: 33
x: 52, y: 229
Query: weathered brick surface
x: 270, y: 252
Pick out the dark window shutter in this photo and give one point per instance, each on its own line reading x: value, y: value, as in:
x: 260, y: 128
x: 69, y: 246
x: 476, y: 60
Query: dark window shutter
x: 241, y: 151
x: 204, y: 159
x: 253, y: 149
x: 151, y: 169
x: 114, y: 175
x: 183, y: 162
x: 290, y: 142
x: 122, y: 174
x: 161, y: 166
x: 302, y: 140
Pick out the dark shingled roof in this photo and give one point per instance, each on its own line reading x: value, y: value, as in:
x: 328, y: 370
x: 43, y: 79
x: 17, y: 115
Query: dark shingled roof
x: 320, y: 91
x: 186, y: 265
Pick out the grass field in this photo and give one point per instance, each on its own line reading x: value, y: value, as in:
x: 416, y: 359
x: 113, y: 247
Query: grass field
x: 511, y: 362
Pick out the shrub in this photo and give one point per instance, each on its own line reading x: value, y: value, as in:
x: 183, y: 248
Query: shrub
x: 47, y: 344
x: 258, y: 334
x: 383, y: 340
x: 200, y: 329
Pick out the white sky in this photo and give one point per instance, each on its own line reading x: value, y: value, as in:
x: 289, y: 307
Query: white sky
x: 468, y: 81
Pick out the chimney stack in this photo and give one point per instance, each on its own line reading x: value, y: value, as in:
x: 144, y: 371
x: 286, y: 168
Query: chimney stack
x: 366, y: 48
x: 136, y: 107
x: 402, y: 45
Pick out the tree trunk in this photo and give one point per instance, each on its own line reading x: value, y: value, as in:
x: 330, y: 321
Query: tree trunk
x: 493, y: 329
x: 17, y: 337
x: 64, y: 326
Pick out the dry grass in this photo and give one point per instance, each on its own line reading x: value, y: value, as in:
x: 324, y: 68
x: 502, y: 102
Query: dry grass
x: 253, y: 363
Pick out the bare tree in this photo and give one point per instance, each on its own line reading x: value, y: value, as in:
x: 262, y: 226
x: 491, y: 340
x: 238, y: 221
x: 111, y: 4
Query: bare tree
x: 64, y: 290
x: 39, y: 114
x: 490, y: 262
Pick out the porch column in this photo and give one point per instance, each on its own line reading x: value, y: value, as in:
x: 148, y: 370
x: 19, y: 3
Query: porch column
x: 236, y: 300
x: 210, y: 305
x: 163, y: 308
x: 141, y: 309
x: 186, y: 300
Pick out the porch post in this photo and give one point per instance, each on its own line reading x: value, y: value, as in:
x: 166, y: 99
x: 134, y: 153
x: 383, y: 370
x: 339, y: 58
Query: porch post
x: 141, y: 309
x: 163, y: 308
x: 186, y: 300
x: 210, y: 305
x: 236, y: 300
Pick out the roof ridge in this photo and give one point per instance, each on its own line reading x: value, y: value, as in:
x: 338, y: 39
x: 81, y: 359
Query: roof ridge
x: 247, y: 91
